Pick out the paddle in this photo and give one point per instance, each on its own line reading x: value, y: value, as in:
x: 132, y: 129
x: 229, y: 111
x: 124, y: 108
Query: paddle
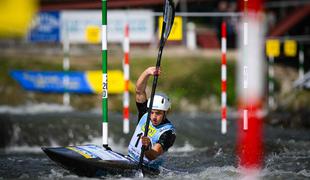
x: 169, y: 12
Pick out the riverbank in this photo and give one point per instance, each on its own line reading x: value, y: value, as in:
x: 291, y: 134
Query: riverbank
x: 190, y: 78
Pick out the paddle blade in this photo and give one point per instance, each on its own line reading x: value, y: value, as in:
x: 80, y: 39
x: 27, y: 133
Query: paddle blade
x: 169, y: 14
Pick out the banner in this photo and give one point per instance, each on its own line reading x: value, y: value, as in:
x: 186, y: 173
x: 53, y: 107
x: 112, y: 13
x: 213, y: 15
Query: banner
x: 141, y: 25
x: 273, y: 48
x: 77, y: 22
x: 176, y: 33
x: 47, y: 28
x: 87, y: 82
x: 290, y: 48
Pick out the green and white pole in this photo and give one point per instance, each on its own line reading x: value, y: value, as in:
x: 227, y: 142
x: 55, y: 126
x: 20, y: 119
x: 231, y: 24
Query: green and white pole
x: 104, y: 76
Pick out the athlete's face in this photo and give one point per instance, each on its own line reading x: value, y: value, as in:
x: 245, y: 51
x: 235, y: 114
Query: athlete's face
x: 157, y: 116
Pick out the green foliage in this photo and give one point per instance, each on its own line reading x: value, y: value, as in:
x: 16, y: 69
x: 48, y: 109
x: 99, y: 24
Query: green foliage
x: 11, y: 92
x: 193, y: 78
x: 203, y: 81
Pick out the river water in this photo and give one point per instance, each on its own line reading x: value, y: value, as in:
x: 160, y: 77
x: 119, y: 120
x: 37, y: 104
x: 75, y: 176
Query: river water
x: 200, y: 151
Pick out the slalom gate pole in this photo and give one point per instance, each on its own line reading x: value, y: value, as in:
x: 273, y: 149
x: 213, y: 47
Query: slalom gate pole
x: 223, y: 78
x: 126, y: 81
x: 271, y: 102
x: 250, y: 89
x: 104, y: 76
x: 301, y: 58
x: 245, y: 65
x: 66, y: 66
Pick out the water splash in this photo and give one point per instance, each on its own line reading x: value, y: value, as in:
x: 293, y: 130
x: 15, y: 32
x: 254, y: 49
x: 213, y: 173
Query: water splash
x: 35, y: 108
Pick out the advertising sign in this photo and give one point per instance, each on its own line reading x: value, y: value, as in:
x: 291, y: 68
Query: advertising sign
x: 77, y: 22
x: 47, y: 28
x: 51, y: 81
x: 273, y: 48
x: 141, y: 25
x: 84, y: 82
x: 93, y: 34
x: 290, y: 48
x: 176, y: 33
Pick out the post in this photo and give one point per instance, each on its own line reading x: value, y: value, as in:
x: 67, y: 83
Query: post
x: 271, y: 102
x: 104, y: 76
x: 250, y: 89
x: 272, y: 51
x: 245, y: 66
x: 223, y: 78
x: 301, y: 62
x: 66, y: 65
x: 183, y: 8
x: 126, y: 81
x: 191, y: 36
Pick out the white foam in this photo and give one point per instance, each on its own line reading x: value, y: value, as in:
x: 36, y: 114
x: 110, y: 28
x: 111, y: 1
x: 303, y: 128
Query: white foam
x: 282, y: 173
x: 120, y: 147
x: 250, y: 174
x: 27, y: 149
x: 35, y: 108
x: 223, y: 173
x: 23, y: 149
x: 55, y: 174
x: 305, y: 173
x: 186, y: 148
x: 96, y: 111
x: 226, y: 172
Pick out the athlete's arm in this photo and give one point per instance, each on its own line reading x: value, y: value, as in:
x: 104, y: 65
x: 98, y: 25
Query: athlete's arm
x: 154, y: 152
x: 166, y: 140
x: 142, y: 83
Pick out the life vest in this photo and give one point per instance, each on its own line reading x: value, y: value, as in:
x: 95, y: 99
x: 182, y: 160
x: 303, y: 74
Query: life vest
x: 154, y: 133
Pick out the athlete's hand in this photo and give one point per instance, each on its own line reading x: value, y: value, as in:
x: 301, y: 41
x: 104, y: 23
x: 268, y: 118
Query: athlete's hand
x: 146, y: 142
x: 153, y: 71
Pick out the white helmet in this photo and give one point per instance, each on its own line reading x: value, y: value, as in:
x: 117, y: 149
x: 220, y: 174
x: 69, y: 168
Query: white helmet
x: 160, y: 102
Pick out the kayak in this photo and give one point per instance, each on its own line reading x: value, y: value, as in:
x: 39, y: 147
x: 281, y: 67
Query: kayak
x: 93, y: 160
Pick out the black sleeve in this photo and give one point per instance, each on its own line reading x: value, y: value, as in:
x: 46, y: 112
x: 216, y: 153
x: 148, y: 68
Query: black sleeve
x: 167, y: 139
x: 142, y: 109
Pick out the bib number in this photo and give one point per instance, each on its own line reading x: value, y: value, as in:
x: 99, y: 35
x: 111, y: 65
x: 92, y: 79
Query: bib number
x: 139, y: 137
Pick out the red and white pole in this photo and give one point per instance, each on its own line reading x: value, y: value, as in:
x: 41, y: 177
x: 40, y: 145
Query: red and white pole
x: 250, y: 88
x: 223, y: 78
x: 126, y: 81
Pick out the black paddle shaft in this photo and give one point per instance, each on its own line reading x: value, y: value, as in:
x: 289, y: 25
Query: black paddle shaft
x: 153, y: 90
x: 169, y: 12
x: 151, y: 104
